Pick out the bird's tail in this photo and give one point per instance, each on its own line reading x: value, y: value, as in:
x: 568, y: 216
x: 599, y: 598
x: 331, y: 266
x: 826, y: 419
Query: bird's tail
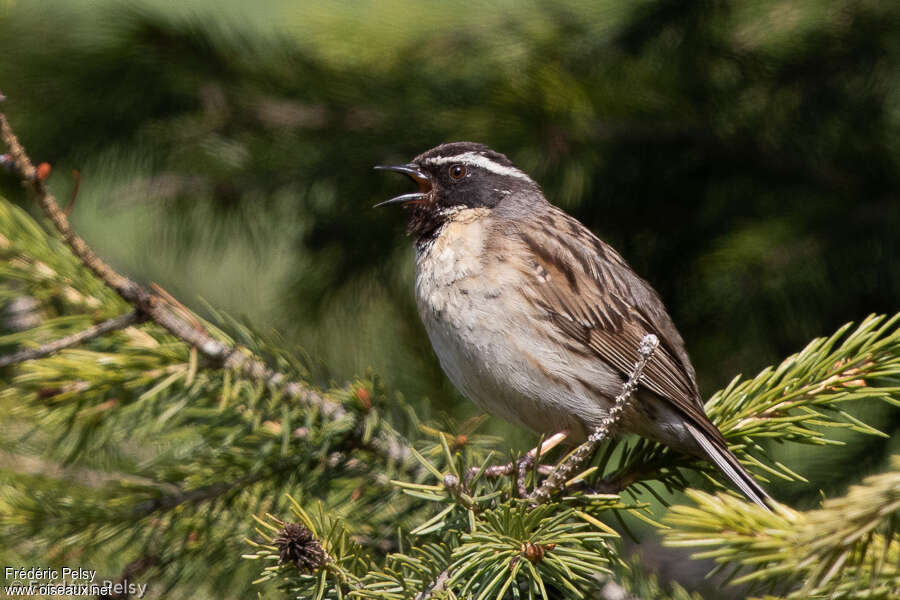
x: 728, y: 463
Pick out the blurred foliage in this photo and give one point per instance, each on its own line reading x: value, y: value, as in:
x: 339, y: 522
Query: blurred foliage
x: 130, y: 450
x: 848, y: 548
x: 743, y: 156
x: 717, y: 144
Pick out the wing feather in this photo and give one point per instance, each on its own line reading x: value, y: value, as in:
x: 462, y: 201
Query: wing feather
x: 603, y: 309
x: 597, y: 301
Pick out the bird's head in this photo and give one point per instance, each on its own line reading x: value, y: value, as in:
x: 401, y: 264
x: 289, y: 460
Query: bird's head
x: 455, y: 177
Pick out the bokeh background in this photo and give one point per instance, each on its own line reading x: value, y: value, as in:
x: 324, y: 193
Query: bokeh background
x: 743, y: 156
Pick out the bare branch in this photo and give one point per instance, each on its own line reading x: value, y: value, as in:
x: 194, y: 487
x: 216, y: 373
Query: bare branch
x: 76, y: 338
x: 557, y: 480
x: 436, y: 586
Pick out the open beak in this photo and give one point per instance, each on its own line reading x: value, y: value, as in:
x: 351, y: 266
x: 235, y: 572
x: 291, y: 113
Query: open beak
x: 412, y: 171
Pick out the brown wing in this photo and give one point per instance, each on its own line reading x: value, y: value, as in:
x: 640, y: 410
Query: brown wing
x: 603, y: 308
x: 601, y: 305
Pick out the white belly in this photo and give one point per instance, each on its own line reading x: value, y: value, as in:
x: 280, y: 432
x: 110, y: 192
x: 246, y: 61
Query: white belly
x: 491, y: 342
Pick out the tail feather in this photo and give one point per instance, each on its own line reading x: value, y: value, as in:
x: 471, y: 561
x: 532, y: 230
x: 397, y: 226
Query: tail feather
x: 729, y: 465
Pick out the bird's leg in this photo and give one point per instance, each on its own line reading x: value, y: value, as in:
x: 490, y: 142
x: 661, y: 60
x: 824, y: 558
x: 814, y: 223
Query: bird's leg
x: 564, y: 469
x: 527, y: 461
x: 521, y: 466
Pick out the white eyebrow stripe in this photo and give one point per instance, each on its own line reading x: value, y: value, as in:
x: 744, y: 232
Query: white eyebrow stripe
x: 478, y: 160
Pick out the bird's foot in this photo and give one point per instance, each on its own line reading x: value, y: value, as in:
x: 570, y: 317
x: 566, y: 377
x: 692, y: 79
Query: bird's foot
x: 521, y: 467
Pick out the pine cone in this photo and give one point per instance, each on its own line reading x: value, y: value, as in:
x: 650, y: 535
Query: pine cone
x: 298, y: 545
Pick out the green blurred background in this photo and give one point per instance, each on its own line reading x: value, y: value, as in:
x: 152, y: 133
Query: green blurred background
x: 743, y: 156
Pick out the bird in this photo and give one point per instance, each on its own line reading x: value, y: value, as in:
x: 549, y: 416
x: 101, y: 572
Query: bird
x: 537, y: 320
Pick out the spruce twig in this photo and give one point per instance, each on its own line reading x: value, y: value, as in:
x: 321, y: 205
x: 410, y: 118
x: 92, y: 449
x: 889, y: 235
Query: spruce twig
x: 152, y: 305
x: 847, y: 548
x: 79, y: 337
x: 557, y: 480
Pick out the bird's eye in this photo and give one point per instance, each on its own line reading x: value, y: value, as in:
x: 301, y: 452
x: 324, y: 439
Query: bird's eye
x: 457, y: 171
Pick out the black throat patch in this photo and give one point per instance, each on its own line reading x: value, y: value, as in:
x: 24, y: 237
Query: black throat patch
x: 425, y: 223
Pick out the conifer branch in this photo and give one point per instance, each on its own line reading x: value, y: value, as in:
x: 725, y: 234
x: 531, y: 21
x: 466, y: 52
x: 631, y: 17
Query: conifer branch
x: 799, y: 400
x: 152, y: 305
x: 848, y: 548
x: 244, y: 372
x: 315, y: 555
x: 76, y: 338
x: 195, y: 496
x: 557, y: 480
x: 483, y: 539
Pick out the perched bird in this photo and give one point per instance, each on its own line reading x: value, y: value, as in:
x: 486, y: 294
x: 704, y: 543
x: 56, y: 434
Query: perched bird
x: 537, y: 320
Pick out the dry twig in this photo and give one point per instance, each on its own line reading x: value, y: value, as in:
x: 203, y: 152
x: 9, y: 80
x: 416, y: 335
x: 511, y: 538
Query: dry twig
x: 435, y: 586
x: 79, y: 337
